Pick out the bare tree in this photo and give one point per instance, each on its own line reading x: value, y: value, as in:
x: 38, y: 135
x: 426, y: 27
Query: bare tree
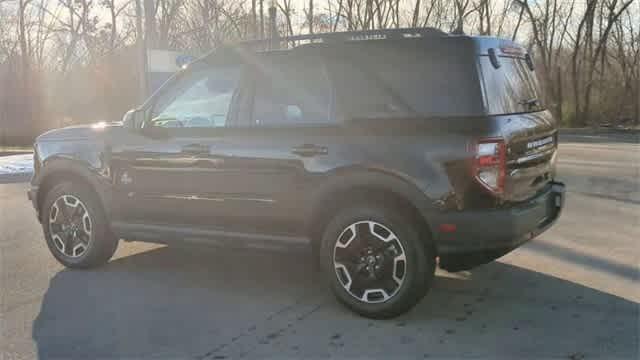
x: 287, y: 10
x: 613, y: 13
x: 310, y: 16
x: 115, y: 11
x: 22, y: 38
x: 460, y: 15
x: 166, y: 13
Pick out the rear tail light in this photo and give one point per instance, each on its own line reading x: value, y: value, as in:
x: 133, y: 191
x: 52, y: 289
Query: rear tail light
x: 489, y: 165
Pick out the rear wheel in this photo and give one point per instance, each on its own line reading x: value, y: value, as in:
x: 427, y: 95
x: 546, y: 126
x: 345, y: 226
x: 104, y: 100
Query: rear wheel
x: 375, y: 261
x: 75, y: 227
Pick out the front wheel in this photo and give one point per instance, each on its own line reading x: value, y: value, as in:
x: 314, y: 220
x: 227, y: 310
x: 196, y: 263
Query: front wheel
x: 75, y: 227
x: 375, y: 261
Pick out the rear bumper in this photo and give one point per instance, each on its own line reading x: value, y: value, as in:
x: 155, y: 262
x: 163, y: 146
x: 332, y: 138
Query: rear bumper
x: 482, y: 236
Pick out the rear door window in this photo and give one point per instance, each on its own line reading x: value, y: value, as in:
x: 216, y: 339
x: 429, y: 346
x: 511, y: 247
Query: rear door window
x: 291, y: 91
x: 511, y: 88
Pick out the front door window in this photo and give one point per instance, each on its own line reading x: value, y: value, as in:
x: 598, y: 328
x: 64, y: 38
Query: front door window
x: 201, y: 100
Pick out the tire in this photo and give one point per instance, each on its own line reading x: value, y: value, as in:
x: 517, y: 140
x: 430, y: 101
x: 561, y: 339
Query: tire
x: 90, y: 244
x: 417, y: 272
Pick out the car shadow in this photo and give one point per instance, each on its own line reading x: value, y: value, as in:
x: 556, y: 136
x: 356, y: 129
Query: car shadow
x: 179, y: 302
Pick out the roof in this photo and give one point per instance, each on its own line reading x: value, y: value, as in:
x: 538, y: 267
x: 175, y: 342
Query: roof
x: 340, y: 37
x: 428, y: 36
x: 482, y: 43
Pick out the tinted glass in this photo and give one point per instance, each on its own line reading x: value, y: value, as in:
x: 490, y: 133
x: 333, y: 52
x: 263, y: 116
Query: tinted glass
x: 291, y: 91
x: 511, y: 88
x: 200, y: 100
x: 405, y: 80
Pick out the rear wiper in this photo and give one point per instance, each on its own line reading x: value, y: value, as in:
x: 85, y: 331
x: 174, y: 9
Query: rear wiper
x: 530, y: 103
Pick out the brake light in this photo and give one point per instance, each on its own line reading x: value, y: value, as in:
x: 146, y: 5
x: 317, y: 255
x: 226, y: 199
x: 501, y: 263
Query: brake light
x: 489, y: 165
x: 512, y: 50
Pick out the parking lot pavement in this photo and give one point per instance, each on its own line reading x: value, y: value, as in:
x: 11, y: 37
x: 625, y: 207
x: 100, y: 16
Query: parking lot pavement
x: 573, y: 293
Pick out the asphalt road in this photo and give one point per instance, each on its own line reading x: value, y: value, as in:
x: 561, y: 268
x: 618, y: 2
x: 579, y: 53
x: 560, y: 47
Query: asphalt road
x: 572, y: 293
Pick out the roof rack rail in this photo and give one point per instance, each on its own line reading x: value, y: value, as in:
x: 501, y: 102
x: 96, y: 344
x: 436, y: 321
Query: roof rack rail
x: 336, y: 37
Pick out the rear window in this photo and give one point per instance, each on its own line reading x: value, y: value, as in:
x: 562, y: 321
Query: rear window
x: 511, y: 88
x: 395, y: 81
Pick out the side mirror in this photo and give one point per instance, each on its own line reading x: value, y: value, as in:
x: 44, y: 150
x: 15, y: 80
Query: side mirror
x: 158, y: 128
x: 133, y: 119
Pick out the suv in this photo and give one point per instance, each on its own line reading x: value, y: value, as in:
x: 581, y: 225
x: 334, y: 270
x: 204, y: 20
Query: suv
x: 385, y: 152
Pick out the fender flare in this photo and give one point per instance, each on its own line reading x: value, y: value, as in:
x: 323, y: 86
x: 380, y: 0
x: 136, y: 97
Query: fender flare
x: 67, y: 168
x: 346, y: 179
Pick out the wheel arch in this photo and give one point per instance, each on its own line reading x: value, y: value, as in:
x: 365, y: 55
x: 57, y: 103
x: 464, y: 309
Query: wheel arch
x: 60, y: 170
x: 355, y: 185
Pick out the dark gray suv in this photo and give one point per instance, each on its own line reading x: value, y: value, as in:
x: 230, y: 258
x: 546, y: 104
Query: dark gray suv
x: 385, y: 152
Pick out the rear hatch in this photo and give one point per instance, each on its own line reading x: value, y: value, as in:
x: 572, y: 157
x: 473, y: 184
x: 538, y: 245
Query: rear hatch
x: 513, y: 99
x: 531, y: 144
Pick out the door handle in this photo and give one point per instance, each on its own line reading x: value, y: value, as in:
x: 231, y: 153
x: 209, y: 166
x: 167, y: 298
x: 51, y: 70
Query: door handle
x: 308, y: 150
x: 195, y: 149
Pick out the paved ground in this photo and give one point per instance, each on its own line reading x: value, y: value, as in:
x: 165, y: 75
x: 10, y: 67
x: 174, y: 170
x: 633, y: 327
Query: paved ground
x: 573, y: 293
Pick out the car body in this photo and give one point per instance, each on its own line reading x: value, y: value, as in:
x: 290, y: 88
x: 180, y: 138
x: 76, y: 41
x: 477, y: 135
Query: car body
x: 427, y: 125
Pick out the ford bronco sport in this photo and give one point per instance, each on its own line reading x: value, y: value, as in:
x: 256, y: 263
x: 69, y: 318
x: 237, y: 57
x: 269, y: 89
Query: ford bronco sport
x: 387, y: 152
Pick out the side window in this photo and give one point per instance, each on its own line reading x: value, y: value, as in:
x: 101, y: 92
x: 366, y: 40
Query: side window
x: 362, y: 93
x: 201, y: 100
x: 403, y: 81
x: 291, y: 92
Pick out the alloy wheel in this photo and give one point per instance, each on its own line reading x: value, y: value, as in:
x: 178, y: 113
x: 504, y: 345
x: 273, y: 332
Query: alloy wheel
x: 369, y: 261
x: 70, y: 226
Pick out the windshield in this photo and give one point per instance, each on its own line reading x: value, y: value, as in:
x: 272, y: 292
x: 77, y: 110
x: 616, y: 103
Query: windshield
x: 511, y: 88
